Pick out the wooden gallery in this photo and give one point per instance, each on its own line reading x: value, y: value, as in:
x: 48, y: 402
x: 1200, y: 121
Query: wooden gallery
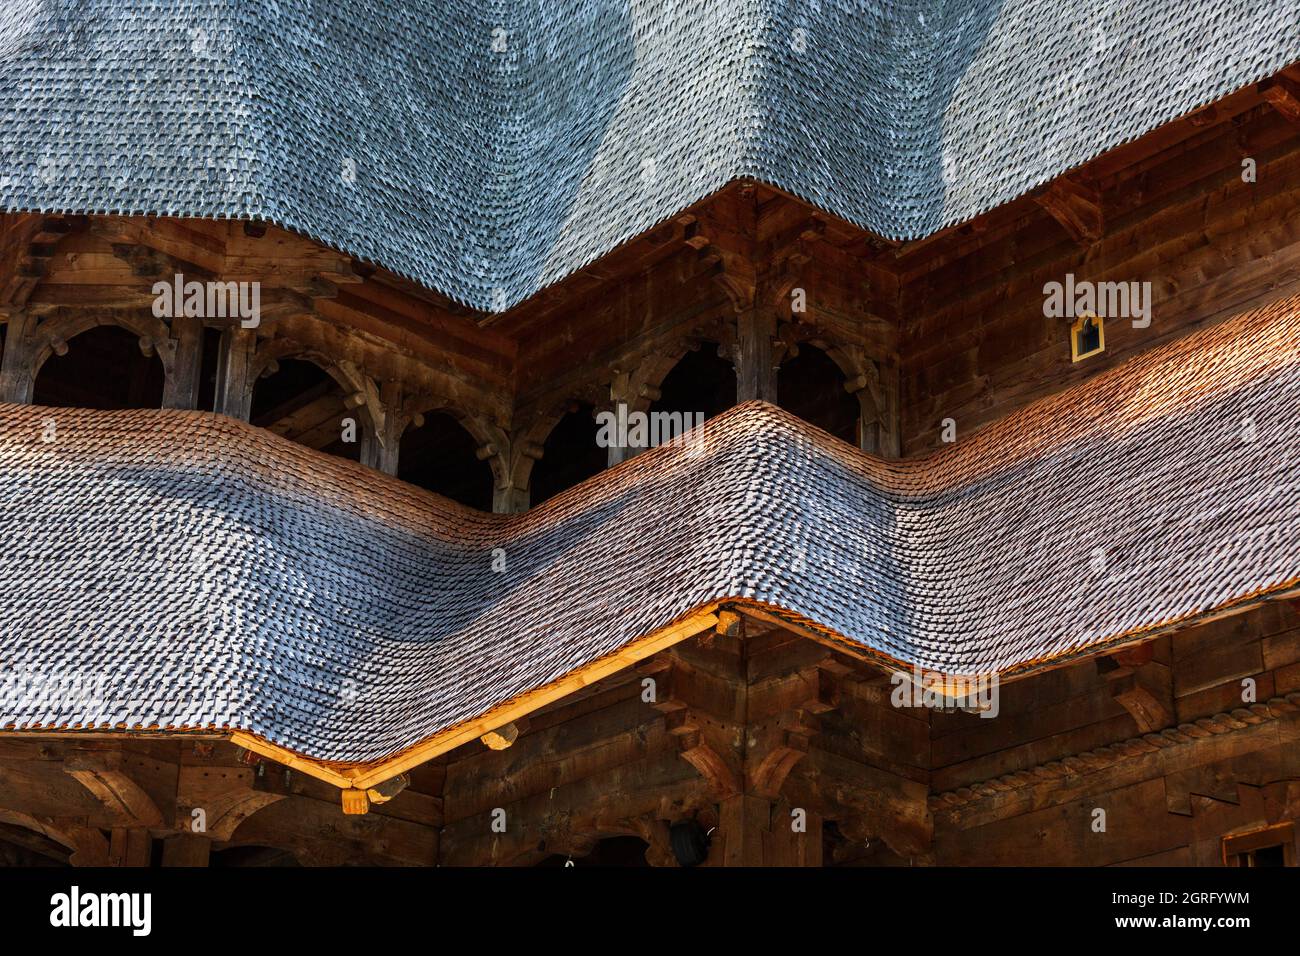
x: 338, y: 562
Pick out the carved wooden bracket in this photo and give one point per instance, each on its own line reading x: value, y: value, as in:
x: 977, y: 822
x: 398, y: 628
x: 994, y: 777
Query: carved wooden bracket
x: 104, y: 774
x: 1140, y: 685
x: 1283, y: 94
x: 1075, y: 205
x: 721, y: 777
x: 226, y: 812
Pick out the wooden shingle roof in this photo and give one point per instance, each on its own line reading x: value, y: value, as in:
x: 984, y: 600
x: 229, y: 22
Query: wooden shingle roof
x: 179, y: 570
x: 487, y: 150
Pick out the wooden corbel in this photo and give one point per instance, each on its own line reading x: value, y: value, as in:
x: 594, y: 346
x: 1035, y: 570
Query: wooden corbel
x: 1075, y: 205
x: 1283, y: 94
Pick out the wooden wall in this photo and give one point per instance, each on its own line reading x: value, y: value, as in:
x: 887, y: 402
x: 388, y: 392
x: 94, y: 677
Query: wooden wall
x: 976, y: 343
x: 1023, y: 788
x: 788, y: 752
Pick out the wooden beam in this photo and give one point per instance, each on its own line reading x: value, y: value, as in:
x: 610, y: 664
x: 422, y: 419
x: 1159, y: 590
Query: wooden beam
x: 501, y: 738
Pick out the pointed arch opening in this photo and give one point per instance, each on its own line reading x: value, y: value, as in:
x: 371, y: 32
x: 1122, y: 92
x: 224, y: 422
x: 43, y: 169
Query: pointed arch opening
x: 302, y: 402
x: 570, y: 455
x: 811, y: 386
x: 103, y: 368
x: 702, y: 382
x: 441, y: 456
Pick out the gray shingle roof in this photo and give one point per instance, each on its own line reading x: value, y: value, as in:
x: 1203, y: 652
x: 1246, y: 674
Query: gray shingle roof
x: 184, y: 570
x: 488, y: 173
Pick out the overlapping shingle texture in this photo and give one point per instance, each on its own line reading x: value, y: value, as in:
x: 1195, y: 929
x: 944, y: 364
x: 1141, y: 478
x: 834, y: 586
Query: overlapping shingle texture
x: 487, y: 150
x: 179, y: 570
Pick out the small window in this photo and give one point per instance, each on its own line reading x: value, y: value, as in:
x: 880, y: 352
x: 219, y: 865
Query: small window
x: 1270, y: 846
x: 1087, y: 337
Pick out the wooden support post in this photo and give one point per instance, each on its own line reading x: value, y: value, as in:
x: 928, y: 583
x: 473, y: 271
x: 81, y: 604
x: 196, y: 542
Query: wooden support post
x: 877, y: 392
x: 182, y: 388
x: 510, y: 495
x: 509, y: 500
x: 186, y: 849
x: 129, y: 846
x: 755, y: 365
x: 395, y: 422
x: 17, y: 376
x: 795, y: 837
x: 742, y: 821
x: 620, y: 398
x: 235, y: 373
x: 755, y: 831
x: 888, y: 437
x: 371, y: 450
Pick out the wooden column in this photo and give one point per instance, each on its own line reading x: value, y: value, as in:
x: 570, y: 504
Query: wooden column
x: 756, y: 831
x: 510, y: 495
x: 509, y: 500
x: 182, y: 388
x: 235, y: 372
x: 755, y: 365
x: 17, y: 376
x: 877, y: 392
x: 742, y: 822
x: 388, y: 455
x: 891, y: 430
x: 129, y: 846
x: 371, y: 450
x: 395, y: 421
x: 620, y: 400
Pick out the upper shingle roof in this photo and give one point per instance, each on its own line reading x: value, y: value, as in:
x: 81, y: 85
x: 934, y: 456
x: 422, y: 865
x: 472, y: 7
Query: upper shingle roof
x: 487, y: 150
x: 177, y: 569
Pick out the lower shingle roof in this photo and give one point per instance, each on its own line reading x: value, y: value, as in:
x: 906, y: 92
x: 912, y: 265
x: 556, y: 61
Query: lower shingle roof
x: 180, y: 570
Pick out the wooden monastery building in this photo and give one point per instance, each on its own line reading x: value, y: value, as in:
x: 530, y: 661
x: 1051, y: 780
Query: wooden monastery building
x: 333, y: 335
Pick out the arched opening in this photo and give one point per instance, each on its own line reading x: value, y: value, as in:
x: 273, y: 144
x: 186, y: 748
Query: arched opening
x: 300, y: 401
x: 811, y: 385
x: 569, y: 456
x: 21, y: 846
x: 701, y: 383
x: 441, y: 456
x: 252, y: 856
x: 103, y: 368
x: 611, y: 851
